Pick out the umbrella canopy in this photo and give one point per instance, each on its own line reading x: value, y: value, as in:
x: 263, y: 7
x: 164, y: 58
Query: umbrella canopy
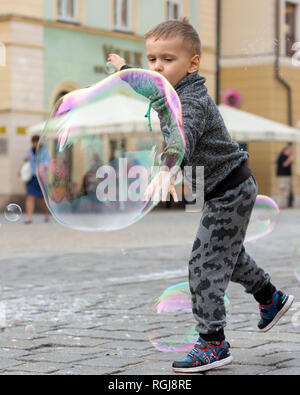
x: 117, y: 113
x: 123, y: 114
x: 244, y: 126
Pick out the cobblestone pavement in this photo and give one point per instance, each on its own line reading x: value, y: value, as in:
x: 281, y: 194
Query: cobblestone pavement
x: 77, y: 303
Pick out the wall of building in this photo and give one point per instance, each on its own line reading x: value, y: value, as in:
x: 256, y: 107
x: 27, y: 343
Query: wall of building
x: 251, y: 29
x: 5, y: 35
x: 73, y: 55
x: 45, y: 57
x: 263, y: 95
x: 207, y: 30
x: 291, y: 74
x: 248, y: 58
x: 32, y: 8
x: 21, y: 97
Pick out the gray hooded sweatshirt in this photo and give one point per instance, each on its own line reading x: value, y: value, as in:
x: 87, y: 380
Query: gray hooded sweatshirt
x: 208, y: 142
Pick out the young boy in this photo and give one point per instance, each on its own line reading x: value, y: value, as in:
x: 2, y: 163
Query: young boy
x: 218, y: 255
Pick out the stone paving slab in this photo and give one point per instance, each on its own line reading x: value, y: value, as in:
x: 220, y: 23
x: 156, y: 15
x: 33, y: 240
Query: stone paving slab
x: 38, y: 367
x: 79, y: 303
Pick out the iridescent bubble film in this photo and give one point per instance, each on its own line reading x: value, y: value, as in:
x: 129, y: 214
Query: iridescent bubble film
x: 13, y: 212
x: 296, y: 263
x: 110, y: 68
x: 264, y: 217
x: 102, y: 146
x: 29, y: 328
x: 170, y: 322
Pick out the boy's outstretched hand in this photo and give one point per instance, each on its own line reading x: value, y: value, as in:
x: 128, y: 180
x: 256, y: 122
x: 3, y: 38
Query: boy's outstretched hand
x: 116, y: 60
x: 162, y: 183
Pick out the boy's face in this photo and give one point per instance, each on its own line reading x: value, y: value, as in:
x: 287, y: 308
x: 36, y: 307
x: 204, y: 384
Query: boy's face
x: 170, y: 58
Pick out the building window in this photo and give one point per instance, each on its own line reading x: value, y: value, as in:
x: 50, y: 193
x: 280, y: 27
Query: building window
x: 173, y: 9
x: 67, y: 10
x: 122, y: 15
x: 291, y: 10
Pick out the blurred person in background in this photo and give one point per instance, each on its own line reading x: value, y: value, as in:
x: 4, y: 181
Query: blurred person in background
x: 33, y: 188
x: 284, y: 175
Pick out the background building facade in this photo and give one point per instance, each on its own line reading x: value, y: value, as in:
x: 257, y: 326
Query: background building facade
x: 258, y: 60
x: 55, y: 46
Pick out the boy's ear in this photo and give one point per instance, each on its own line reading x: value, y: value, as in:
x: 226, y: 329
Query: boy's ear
x: 194, y: 64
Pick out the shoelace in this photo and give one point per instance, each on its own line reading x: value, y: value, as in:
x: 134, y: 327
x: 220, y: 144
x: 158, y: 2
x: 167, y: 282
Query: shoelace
x: 197, y: 347
x: 201, y: 346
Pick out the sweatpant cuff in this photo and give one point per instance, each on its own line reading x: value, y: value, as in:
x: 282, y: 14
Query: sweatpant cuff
x: 213, y: 336
x: 264, y: 295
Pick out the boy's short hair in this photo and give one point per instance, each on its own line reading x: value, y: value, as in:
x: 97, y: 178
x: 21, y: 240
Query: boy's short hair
x: 181, y: 28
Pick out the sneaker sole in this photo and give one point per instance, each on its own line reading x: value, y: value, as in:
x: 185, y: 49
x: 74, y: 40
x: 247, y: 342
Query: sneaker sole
x: 197, y: 369
x: 277, y: 317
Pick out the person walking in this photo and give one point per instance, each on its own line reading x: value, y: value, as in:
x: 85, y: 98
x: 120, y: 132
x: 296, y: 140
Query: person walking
x: 32, y: 187
x: 284, y: 175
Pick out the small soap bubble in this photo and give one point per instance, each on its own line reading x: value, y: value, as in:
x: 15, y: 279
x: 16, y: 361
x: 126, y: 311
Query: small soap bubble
x: 13, y: 212
x: 170, y: 322
x: 29, y: 328
x: 110, y: 68
x: 263, y: 219
x: 296, y: 263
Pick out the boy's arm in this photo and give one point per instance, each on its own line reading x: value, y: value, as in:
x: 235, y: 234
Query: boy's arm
x: 194, y: 116
x: 166, y: 103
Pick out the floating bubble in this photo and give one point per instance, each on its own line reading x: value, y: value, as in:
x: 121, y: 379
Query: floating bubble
x: 170, y: 322
x: 13, y: 212
x: 110, y: 68
x: 102, y: 146
x: 29, y: 328
x: 296, y: 262
x: 263, y: 219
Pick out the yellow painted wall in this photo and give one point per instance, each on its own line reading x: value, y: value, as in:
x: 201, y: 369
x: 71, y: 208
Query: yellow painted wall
x: 247, y: 27
x: 257, y: 86
x: 292, y: 76
x: 5, y: 34
x: 207, y: 32
x: 263, y: 95
x: 207, y: 23
x: 208, y: 70
x: 5, y: 83
x: 32, y: 8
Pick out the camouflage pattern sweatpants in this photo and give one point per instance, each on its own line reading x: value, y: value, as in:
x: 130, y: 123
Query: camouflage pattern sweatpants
x: 219, y: 256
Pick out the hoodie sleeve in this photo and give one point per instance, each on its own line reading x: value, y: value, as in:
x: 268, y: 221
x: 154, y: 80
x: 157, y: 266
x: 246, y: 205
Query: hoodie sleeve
x: 167, y: 104
x: 172, y: 130
x: 194, y: 119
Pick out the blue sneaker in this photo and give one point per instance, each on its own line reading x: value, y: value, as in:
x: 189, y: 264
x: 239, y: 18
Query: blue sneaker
x: 204, y: 356
x: 271, y: 313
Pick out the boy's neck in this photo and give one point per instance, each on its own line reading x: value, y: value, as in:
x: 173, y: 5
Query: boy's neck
x: 183, y: 79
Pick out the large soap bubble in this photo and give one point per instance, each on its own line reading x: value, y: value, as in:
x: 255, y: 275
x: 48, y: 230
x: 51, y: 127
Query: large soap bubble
x: 170, y: 322
x: 264, y: 217
x: 103, y: 145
